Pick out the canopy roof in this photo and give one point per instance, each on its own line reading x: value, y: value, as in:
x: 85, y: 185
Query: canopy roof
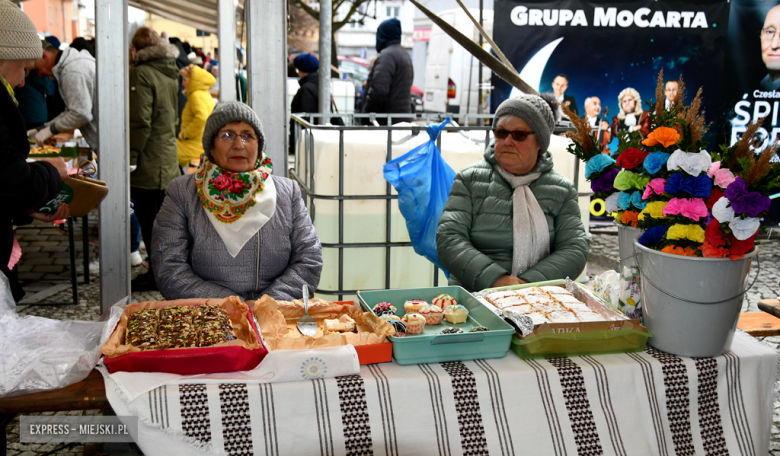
x: 201, y: 14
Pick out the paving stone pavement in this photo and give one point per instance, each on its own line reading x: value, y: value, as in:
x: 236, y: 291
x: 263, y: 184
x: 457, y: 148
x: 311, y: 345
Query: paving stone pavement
x: 603, y: 256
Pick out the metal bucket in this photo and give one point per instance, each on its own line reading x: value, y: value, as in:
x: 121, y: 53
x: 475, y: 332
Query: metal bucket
x: 626, y: 237
x: 691, y: 304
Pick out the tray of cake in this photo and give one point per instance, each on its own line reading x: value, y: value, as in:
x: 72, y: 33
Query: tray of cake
x: 188, y: 336
x: 566, y: 319
x: 439, y: 324
x: 338, y: 323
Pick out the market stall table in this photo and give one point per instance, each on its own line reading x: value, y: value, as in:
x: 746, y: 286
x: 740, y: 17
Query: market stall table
x: 636, y: 403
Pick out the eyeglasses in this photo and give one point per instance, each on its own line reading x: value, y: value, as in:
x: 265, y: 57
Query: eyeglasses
x: 517, y: 135
x: 229, y: 136
x: 768, y: 34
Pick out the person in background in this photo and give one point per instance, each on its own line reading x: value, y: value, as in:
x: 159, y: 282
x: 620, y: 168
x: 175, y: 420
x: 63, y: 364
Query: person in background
x: 32, y: 99
x: 389, y: 84
x: 670, y: 92
x: 82, y: 44
x: 25, y: 187
x: 306, y: 99
x: 592, y: 111
x: 197, y: 82
x: 233, y: 228
x: 631, y: 117
x: 511, y: 218
x: 74, y: 72
x: 153, y: 115
x: 559, y: 86
x: 181, y: 62
x: 55, y: 105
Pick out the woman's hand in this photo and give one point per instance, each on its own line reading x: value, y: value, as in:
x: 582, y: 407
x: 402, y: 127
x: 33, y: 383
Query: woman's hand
x: 62, y: 213
x: 508, y: 280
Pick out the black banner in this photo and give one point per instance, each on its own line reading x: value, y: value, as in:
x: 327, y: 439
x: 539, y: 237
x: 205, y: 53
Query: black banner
x: 751, y: 77
x: 605, y: 47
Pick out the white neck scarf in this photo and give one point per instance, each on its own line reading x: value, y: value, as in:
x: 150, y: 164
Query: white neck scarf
x: 531, y: 237
x: 630, y: 120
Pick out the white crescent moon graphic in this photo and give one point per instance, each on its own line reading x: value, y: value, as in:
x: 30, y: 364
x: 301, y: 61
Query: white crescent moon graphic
x: 532, y: 71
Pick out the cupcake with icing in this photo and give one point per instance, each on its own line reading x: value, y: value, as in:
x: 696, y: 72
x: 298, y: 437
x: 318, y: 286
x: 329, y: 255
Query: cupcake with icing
x: 414, y: 305
x: 415, y: 323
x: 390, y: 317
x: 433, y: 314
x: 456, y: 314
x: 444, y: 301
x: 384, y: 308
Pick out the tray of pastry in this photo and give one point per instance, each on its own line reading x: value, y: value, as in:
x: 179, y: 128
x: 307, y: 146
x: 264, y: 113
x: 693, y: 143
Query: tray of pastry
x: 439, y: 324
x: 568, y: 320
x: 51, y: 148
x: 188, y: 336
x: 338, y: 323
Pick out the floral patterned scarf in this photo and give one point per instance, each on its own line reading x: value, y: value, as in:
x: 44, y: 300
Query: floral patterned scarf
x: 228, y: 195
x: 236, y: 204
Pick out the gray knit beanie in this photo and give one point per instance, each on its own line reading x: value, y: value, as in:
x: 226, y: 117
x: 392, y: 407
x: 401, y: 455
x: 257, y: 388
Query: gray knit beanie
x: 231, y: 111
x: 18, y: 36
x: 537, y: 111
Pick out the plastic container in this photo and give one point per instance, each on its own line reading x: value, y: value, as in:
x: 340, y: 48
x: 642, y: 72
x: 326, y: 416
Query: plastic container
x: 190, y: 361
x: 576, y: 339
x: 431, y: 347
x: 680, y: 300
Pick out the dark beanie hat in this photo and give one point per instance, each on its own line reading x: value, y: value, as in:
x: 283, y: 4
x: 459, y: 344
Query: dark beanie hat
x: 306, y: 62
x: 387, y: 32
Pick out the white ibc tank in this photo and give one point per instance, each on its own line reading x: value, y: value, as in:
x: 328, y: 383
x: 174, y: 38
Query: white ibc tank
x: 365, y: 152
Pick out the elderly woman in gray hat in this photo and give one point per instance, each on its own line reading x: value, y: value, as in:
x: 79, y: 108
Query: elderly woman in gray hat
x: 232, y: 228
x: 25, y: 187
x: 511, y: 218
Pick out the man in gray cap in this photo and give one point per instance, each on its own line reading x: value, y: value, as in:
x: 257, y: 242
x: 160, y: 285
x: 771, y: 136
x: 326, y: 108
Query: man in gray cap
x: 511, y: 218
x: 25, y: 187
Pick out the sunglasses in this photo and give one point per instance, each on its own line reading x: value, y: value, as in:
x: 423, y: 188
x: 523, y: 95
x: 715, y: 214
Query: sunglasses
x: 517, y: 135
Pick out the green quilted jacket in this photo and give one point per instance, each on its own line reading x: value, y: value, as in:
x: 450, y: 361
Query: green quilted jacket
x: 474, y: 239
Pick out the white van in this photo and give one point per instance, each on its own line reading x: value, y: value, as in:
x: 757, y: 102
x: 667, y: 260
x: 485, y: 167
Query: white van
x: 448, y: 85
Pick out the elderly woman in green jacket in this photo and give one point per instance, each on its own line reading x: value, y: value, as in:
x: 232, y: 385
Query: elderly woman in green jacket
x: 510, y: 218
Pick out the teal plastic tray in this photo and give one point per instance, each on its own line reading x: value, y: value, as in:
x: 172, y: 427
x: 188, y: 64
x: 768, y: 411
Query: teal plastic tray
x: 432, y: 347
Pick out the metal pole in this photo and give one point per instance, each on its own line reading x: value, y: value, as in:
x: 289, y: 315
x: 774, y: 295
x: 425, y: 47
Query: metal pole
x: 267, y: 75
x: 227, y: 50
x: 112, y: 113
x: 479, y: 75
x: 326, y: 25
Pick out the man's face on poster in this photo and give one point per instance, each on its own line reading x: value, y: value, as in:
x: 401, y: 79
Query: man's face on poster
x: 670, y: 90
x: 770, y: 41
x: 559, y: 85
x: 628, y: 103
x: 593, y: 107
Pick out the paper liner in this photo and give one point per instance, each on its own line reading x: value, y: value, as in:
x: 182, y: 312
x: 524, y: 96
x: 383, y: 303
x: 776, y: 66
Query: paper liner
x: 236, y: 310
x: 280, y: 333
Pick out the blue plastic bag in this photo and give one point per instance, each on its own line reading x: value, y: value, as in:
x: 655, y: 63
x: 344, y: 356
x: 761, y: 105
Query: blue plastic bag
x: 423, y: 180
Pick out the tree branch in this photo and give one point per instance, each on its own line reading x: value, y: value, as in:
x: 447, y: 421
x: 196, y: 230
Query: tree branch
x: 309, y: 10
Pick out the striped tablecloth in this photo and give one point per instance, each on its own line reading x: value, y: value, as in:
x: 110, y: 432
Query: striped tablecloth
x: 647, y: 403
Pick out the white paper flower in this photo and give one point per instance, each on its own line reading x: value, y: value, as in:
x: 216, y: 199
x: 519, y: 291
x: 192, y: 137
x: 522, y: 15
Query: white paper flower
x: 744, y: 228
x: 693, y: 163
x: 722, y: 211
x: 610, y: 204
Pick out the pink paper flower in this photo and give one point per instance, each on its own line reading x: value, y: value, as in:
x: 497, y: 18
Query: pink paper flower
x: 723, y: 177
x: 654, y: 186
x: 713, y: 169
x: 693, y: 208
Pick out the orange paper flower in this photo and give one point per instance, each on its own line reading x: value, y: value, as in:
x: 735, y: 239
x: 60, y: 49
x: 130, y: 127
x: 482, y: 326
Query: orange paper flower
x: 673, y: 249
x: 662, y: 135
x: 630, y: 218
x: 710, y: 251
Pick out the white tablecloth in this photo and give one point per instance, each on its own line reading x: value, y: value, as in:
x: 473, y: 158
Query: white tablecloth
x: 646, y: 403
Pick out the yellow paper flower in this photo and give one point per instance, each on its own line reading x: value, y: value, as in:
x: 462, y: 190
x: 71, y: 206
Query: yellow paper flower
x: 654, y: 209
x: 662, y: 135
x: 693, y: 233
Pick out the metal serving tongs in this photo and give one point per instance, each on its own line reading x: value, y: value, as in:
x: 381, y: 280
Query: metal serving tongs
x: 306, y: 325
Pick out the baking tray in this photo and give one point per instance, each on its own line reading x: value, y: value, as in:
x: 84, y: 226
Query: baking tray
x: 575, y: 339
x: 431, y: 347
x: 190, y: 361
